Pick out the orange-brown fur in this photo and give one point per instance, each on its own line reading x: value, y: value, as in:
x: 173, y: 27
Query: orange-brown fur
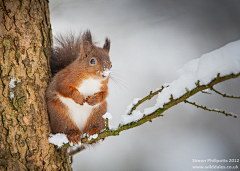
x: 69, y: 74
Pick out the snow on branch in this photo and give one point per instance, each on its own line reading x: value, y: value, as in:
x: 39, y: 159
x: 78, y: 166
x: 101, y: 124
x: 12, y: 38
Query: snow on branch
x: 201, y: 73
x: 195, y: 76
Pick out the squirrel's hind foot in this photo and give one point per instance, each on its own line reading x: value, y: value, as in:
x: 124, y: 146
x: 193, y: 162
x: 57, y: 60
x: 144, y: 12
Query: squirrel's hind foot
x: 93, y: 131
x: 74, y: 136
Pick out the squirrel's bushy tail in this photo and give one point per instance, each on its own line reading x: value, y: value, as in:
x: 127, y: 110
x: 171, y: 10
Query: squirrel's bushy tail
x: 66, y: 50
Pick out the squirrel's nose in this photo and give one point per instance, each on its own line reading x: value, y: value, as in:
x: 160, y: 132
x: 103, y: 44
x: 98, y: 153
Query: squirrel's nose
x: 106, y: 72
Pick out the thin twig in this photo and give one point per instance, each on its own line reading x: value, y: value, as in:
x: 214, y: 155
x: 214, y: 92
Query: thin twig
x: 72, y: 152
x: 224, y: 95
x: 205, y: 92
x: 149, y: 97
x: 211, y: 110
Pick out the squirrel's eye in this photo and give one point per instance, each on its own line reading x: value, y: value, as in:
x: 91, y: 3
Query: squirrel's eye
x: 92, y: 61
x: 111, y: 66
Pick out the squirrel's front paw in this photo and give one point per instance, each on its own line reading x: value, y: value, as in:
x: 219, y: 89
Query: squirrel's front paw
x: 91, y: 100
x: 79, y: 99
x: 94, y: 99
x: 74, y: 136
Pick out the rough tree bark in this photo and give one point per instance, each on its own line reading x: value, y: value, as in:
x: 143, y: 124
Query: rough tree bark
x: 25, y: 42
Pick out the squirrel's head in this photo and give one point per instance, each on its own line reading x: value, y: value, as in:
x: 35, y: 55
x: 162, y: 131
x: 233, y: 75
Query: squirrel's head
x: 95, y: 60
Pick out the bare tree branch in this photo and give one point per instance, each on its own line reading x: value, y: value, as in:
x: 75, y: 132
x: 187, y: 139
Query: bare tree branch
x: 224, y: 95
x: 211, y: 110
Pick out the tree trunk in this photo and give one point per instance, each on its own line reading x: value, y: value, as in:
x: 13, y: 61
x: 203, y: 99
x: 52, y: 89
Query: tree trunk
x: 25, y: 43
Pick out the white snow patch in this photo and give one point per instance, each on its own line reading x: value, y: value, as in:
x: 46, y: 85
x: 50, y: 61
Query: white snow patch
x: 106, y: 72
x: 12, y: 83
x: 11, y: 86
x: 107, y: 115
x: 94, y: 136
x: 58, y: 139
x: 225, y: 61
x: 134, y: 117
x: 130, y: 106
x: 11, y: 96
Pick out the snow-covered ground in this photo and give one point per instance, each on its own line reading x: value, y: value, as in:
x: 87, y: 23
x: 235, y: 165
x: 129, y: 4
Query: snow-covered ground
x: 151, y: 41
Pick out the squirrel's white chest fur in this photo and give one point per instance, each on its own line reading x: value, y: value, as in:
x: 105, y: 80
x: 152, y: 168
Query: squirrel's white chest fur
x: 89, y: 87
x: 80, y: 113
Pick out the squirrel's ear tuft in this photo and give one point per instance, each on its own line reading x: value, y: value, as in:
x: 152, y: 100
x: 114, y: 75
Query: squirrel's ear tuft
x: 86, y: 43
x: 85, y: 48
x: 106, y: 45
x: 87, y: 37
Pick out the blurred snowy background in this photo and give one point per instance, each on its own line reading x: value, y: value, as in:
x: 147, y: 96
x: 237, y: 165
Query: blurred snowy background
x: 151, y: 40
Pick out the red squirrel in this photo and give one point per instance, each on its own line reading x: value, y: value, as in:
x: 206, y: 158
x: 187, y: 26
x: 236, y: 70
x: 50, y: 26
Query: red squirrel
x: 76, y: 96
